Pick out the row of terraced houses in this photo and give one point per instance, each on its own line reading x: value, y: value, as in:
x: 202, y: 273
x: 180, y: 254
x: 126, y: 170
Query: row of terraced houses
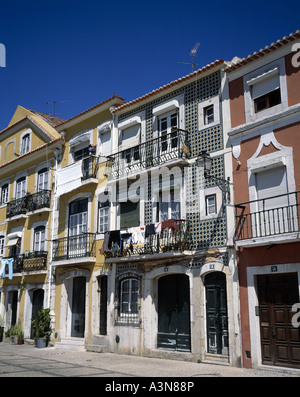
x: 167, y: 226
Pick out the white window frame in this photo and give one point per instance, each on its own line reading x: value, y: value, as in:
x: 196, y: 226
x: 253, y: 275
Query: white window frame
x: 41, y: 175
x: 41, y: 233
x: 261, y: 73
x: 3, y: 202
x: 215, y: 102
x: 22, y: 185
x: 28, y: 144
x: 203, y: 194
x: 2, y: 244
x: 130, y: 291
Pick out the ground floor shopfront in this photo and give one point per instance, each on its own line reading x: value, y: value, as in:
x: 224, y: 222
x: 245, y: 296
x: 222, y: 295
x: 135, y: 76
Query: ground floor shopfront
x: 269, y: 287
x: 151, y: 308
x: 168, y: 308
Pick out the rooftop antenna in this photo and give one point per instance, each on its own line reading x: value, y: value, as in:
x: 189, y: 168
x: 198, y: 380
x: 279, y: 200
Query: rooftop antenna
x: 192, y: 54
x: 54, y: 103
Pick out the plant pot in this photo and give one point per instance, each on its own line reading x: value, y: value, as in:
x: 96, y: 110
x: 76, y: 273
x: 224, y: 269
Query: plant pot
x: 14, y: 339
x: 40, y: 343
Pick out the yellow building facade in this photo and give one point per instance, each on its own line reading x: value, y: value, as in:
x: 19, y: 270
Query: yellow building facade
x: 28, y: 153
x: 79, y: 277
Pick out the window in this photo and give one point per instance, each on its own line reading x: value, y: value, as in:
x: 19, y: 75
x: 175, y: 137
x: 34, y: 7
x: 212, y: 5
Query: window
x: 4, y: 194
x: 81, y: 153
x: 103, y: 217
x: 78, y: 217
x: 2, y: 239
x: 130, y: 214
x: 267, y: 101
x: 39, y: 238
x: 25, y: 146
x: 211, y: 204
x: 43, y: 179
x: 168, y: 125
x: 129, y: 297
x: 21, y: 188
x: 208, y: 113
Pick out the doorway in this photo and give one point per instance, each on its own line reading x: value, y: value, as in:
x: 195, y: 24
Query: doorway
x: 78, y: 307
x: 37, y: 304
x: 216, y: 313
x: 174, y: 313
x: 280, y: 341
x: 102, y: 284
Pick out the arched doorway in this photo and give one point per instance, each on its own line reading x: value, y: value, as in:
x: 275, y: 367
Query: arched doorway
x: 174, y: 313
x: 216, y: 313
x: 37, y: 304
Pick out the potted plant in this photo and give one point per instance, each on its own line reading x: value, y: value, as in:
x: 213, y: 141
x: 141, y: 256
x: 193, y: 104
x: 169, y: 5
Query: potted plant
x: 42, y: 328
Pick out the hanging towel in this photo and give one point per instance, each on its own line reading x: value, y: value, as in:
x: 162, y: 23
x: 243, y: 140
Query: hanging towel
x: 150, y: 229
x: 8, y: 262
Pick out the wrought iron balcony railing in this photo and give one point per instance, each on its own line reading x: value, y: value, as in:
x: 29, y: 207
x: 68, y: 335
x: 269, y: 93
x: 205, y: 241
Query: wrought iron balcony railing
x: 148, y: 154
x: 175, y: 238
x: 270, y: 216
x: 30, y: 202
x: 30, y: 261
x: 80, y: 246
x: 90, y: 167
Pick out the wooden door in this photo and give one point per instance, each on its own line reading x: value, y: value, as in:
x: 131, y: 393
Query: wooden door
x: 174, y: 313
x: 280, y: 341
x: 216, y: 313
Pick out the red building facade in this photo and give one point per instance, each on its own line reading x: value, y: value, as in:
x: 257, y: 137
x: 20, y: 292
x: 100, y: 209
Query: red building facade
x: 264, y: 101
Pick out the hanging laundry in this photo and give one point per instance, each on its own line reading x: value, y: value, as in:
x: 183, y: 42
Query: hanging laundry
x: 8, y: 262
x: 150, y: 230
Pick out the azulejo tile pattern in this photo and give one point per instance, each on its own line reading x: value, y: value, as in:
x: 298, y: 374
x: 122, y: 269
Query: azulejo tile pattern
x: 204, y: 233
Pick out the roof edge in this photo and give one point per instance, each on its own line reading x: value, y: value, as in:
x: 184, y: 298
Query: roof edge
x: 190, y: 76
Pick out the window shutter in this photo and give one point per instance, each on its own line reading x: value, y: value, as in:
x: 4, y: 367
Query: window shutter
x: 131, y: 137
x: 130, y: 214
x: 265, y: 86
x: 272, y: 183
x: 106, y: 144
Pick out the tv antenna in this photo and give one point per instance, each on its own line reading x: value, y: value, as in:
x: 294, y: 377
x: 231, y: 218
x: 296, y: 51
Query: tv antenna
x: 54, y: 103
x: 192, y: 54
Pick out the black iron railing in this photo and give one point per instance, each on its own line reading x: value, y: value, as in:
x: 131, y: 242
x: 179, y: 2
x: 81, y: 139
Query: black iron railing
x: 30, y: 202
x: 30, y: 261
x: 148, y: 154
x: 176, y: 238
x: 267, y: 217
x: 80, y: 246
x: 90, y: 167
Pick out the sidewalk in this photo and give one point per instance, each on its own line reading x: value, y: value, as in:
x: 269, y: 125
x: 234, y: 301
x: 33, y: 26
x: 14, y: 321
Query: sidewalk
x: 28, y: 361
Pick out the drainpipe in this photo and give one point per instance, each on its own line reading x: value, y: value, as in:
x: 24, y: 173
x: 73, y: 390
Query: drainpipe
x: 56, y: 158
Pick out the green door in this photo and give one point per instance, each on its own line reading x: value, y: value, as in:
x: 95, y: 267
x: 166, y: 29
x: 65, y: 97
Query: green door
x: 174, y: 313
x: 216, y: 313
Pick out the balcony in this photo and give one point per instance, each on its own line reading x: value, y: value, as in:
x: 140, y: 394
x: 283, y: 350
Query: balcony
x: 30, y: 261
x: 30, y: 202
x: 90, y: 167
x: 175, y: 238
x: 167, y: 148
x: 272, y: 217
x: 72, y: 247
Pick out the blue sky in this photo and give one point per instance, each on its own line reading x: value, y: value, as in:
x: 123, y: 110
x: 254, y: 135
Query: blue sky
x: 83, y: 51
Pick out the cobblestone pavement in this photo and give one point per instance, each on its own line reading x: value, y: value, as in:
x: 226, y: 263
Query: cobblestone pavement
x: 28, y: 361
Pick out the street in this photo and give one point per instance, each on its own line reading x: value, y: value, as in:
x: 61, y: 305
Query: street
x: 28, y: 361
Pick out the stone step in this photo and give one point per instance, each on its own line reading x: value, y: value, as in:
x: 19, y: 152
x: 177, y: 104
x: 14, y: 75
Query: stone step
x: 76, y: 344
